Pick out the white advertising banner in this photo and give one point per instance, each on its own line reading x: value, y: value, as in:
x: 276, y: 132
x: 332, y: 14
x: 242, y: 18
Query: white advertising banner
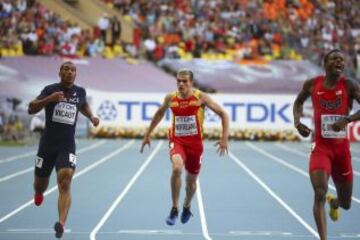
x: 256, y: 111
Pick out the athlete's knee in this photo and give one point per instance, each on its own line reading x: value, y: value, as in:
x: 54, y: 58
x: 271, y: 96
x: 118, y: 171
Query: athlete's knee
x: 64, y: 184
x: 177, y: 165
x: 191, y: 186
x: 64, y: 180
x: 177, y: 170
x: 320, y: 194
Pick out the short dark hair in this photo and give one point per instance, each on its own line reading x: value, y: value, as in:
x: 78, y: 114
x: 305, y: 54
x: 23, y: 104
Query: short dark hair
x: 327, y: 55
x: 64, y: 63
x: 186, y: 71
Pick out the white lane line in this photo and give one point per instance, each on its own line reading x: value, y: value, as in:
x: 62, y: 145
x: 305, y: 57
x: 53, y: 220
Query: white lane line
x: 200, y: 201
x: 288, y: 165
x: 16, y: 157
x: 274, y: 195
x: 30, y: 169
x: 18, y: 173
x: 289, y: 149
x: 124, y: 192
x: 151, y: 232
x: 85, y: 170
x: 282, y: 146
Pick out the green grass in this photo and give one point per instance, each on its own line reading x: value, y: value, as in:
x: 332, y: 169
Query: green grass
x: 20, y: 143
x: 12, y: 143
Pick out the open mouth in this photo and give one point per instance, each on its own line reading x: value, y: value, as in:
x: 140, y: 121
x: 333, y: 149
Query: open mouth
x: 339, y: 68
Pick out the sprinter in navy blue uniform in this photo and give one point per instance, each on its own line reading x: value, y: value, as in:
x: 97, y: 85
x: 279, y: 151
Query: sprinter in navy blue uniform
x: 62, y: 102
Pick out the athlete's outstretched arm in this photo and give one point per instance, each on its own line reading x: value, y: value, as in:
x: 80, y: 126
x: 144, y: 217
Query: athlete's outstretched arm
x: 354, y: 90
x: 36, y: 105
x: 86, y: 111
x: 155, y: 121
x: 298, y: 107
x: 223, y: 142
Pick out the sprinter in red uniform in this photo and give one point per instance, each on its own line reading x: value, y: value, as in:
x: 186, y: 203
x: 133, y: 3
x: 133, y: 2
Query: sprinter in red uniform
x: 186, y: 147
x: 332, y: 97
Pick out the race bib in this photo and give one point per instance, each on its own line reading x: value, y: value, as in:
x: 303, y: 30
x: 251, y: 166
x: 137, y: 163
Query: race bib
x: 72, y: 159
x: 39, y: 162
x: 326, y: 129
x: 64, y: 113
x: 185, y: 126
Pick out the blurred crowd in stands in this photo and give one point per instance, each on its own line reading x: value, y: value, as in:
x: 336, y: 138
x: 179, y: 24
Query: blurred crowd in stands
x: 11, y: 120
x: 238, y: 30
x: 245, y: 29
x: 28, y: 28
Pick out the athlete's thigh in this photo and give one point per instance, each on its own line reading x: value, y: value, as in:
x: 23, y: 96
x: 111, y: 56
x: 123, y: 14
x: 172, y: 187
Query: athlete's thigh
x: 319, y: 179
x: 177, y: 153
x: 194, y: 158
x: 66, y: 159
x: 344, y: 191
x: 342, y: 174
x: 341, y: 165
x: 44, y: 163
x: 320, y: 159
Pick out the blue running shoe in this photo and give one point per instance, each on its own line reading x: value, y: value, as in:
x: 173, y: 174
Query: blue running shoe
x: 59, y: 230
x: 185, y: 215
x: 171, y: 219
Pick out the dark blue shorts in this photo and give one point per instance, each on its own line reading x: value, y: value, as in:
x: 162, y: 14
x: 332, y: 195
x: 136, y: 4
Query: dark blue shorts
x: 46, y: 160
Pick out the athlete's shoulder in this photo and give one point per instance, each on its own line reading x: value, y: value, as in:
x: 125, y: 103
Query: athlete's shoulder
x: 52, y: 86
x: 351, y: 82
x: 310, y: 83
x: 197, y: 93
x: 80, y: 89
x: 171, y: 95
x: 352, y: 85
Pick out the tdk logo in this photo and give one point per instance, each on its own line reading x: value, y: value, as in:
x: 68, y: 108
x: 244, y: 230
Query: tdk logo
x: 107, y: 111
x: 250, y: 112
x: 257, y: 112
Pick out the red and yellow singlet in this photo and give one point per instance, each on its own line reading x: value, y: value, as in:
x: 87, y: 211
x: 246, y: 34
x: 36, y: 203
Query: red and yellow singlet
x: 187, y: 119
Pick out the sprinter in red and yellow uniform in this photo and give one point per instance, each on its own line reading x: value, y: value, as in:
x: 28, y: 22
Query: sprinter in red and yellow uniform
x: 186, y: 146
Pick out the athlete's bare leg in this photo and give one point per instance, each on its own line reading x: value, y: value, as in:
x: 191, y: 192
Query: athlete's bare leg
x: 64, y: 177
x: 177, y: 167
x: 344, y: 193
x: 319, y: 181
x: 40, y: 184
x: 190, y: 188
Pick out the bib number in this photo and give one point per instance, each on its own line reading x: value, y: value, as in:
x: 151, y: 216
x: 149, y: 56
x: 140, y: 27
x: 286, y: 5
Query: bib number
x: 64, y: 113
x: 326, y: 127
x: 185, y: 126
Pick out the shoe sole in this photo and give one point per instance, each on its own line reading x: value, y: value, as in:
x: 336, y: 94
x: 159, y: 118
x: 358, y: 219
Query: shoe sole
x: 185, y: 221
x: 170, y: 223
